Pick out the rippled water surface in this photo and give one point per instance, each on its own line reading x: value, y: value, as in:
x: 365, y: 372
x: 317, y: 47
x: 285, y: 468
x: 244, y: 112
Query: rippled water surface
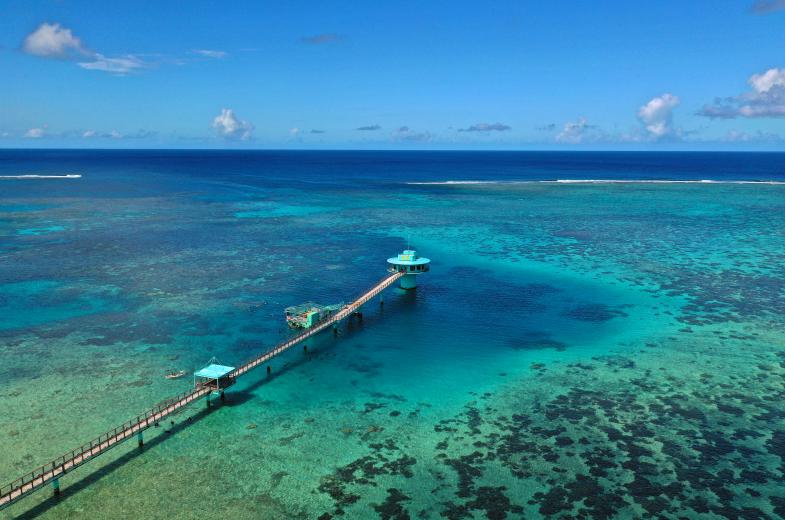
x: 578, y: 350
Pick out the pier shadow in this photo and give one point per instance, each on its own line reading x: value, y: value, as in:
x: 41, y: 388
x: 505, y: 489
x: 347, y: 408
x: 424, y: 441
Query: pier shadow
x: 95, y: 476
x: 238, y: 397
x: 233, y: 398
x: 352, y: 326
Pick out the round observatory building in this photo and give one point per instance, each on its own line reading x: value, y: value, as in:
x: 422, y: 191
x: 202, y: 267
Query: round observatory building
x: 408, y: 262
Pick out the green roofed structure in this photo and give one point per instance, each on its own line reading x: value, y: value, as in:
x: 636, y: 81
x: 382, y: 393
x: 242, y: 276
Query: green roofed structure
x: 408, y: 262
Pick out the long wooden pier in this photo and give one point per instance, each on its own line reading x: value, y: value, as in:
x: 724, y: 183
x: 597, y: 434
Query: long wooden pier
x: 52, y: 471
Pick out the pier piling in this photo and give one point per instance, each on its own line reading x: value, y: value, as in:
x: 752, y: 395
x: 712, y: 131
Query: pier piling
x: 50, y: 473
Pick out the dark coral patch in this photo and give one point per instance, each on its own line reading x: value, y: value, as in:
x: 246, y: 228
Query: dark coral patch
x: 593, y: 312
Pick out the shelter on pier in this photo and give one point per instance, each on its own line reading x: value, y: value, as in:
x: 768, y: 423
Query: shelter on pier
x: 215, y: 376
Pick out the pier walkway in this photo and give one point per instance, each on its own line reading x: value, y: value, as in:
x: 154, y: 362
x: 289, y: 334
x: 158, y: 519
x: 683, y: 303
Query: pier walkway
x: 51, y: 472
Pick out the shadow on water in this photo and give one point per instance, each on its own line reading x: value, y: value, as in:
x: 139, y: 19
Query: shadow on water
x: 353, y: 326
x: 97, y: 475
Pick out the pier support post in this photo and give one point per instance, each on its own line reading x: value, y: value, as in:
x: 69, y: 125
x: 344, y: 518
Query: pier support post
x: 208, y: 400
x: 140, y: 439
x: 305, y: 347
x: 381, y: 299
x: 335, y: 329
x: 269, y: 370
x: 56, y: 487
x: 223, y: 397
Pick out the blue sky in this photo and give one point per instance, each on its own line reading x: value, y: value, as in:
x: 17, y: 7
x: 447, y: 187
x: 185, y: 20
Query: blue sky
x: 379, y: 75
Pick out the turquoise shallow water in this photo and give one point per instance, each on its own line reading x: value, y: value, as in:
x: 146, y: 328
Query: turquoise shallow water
x: 577, y: 351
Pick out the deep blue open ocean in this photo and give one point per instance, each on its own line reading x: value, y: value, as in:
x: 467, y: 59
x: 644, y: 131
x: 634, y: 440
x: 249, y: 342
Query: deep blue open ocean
x: 601, y: 335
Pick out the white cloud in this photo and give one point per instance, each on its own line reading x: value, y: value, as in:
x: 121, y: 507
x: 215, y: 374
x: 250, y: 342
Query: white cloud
x: 53, y: 41
x: 35, y: 133
x: 657, y: 115
x: 56, y: 41
x: 209, y: 53
x: 229, y: 126
x: 574, y: 131
x: 765, y: 99
x: 766, y: 81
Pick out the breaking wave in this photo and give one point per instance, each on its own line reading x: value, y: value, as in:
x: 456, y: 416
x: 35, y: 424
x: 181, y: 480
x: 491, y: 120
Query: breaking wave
x: 66, y: 176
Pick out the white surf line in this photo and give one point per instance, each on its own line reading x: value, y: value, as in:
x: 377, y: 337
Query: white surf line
x: 654, y: 181
x: 66, y: 176
x: 597, y: 181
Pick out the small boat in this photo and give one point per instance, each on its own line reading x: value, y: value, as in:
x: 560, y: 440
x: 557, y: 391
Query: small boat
x: 174, y: 375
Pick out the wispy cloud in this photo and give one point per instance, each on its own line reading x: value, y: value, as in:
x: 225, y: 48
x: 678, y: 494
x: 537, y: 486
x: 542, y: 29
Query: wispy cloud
x: 114, y: 134
x: 404, y: 133
x: 767, y: 6
x: 210, y: 53
x: 35, y: 133
x: 486, y: 127
x: 657, y: 116
x: 314, y: 131
x: 735, y: 136
x: 369, y: 128
x: 229, y: 126
x: 765, y: 99
x: 53, y: 41
x: 575, y: 132
x: 321, y: 39
x: 119, y: 66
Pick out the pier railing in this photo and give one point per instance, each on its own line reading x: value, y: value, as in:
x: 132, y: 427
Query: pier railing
x: 51, y: 471
x: 338, y: 316
x: 75, y: 458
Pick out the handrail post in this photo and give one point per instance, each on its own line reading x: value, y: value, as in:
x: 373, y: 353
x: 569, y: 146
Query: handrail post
x: 46, y: 473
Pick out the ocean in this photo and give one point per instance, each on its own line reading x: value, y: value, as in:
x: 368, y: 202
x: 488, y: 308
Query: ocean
x: 601, y: 335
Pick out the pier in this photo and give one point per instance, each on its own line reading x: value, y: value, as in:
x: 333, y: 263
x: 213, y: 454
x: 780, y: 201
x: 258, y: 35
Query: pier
x: 51, y: 472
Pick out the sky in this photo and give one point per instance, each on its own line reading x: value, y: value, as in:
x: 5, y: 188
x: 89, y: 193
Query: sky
x: 511, y: 75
